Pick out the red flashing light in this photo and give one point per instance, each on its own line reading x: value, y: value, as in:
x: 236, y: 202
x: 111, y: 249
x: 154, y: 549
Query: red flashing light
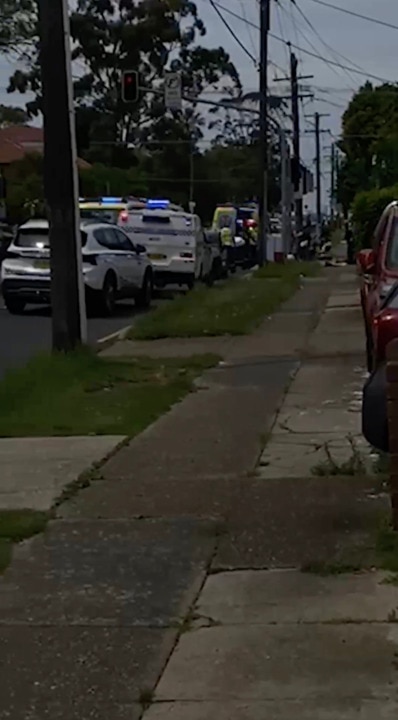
x: 124, y: 216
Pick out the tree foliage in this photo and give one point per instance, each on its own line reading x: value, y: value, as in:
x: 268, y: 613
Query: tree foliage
x: 369, y: 141
x: 145, y: 147
x: 17, y: 25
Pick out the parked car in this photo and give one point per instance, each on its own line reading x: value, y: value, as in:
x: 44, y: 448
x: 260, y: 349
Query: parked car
x: 384, y: 326
x: 378, y: 273
x: 113, y: 267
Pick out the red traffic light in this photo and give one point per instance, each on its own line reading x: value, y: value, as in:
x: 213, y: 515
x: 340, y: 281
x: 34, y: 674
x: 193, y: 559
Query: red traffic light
x: 130, y: 86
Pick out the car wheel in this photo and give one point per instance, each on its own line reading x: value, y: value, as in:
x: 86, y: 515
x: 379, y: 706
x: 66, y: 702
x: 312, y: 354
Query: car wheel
x: 108, y: 295
x: 144, y: 297
x: 15, y: 306
x: 191, y: 283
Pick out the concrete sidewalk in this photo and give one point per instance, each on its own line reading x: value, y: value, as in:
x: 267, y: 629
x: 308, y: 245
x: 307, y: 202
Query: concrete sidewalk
x: 91, y: 611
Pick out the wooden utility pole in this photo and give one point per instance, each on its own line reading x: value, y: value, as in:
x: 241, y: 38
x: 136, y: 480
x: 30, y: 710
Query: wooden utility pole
x: 295, y: 96
x: 265, y: 16
x: 317, y: 130
x: 60, y: 177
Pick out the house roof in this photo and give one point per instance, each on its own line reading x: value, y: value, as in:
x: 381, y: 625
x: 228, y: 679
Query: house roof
x: 16, y: 141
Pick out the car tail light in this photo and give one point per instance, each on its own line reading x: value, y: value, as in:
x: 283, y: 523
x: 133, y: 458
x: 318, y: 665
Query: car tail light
x: 186, y: 255
x: 123, y: 216
x: 90, y: 259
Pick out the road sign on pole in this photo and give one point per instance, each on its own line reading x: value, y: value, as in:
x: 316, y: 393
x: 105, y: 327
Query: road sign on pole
x: 173, y: 90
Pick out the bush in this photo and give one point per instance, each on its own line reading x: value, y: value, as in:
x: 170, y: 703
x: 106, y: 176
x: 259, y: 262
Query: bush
x: 366, y: 210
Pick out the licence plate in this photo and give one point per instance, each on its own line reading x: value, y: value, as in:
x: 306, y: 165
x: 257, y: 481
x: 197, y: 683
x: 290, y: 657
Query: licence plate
x: 156, y: 256
x: 41, y: 264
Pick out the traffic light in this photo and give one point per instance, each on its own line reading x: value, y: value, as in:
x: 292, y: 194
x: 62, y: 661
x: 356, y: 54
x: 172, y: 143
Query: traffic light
x: 130, y: 86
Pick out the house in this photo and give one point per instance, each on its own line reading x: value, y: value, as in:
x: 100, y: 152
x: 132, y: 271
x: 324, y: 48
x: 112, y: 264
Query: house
x: 17, y: 141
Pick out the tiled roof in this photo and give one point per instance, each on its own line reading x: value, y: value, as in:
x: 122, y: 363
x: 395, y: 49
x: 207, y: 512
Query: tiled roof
x: 16, y: 141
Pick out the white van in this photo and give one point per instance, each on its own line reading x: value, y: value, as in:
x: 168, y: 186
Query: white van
x: 174, y: 241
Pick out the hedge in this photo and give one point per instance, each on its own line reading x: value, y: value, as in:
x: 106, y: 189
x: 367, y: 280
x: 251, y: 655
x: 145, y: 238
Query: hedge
x: 366, y: 210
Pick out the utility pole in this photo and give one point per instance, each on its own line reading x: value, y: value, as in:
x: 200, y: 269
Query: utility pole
x: 318, y: 132
x: 60, y: 177
x: 332, y: 180
x: 286, y: 194
x: 265, y: 16
x: 296, y: 164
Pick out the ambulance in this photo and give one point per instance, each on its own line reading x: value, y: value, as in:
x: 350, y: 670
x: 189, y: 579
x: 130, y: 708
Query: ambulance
x: 173, y: 238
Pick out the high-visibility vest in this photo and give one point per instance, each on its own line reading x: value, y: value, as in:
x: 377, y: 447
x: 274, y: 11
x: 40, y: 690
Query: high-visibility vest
x: 226, y: 237
x: 252, y: 236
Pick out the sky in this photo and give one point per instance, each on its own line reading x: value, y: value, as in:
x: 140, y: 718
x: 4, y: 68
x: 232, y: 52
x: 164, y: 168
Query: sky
x: 334, y: 36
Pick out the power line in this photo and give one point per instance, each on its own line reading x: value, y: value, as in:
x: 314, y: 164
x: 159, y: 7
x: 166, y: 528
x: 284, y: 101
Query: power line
x: 384, y: 23
x: 232, y: 32
x: 303, y: 50
x: 336, y: 55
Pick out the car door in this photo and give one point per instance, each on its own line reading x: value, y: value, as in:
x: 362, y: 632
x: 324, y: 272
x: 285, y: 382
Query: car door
x: 133, y: 262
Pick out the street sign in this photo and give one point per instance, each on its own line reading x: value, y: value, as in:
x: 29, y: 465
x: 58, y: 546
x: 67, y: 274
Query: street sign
x: 173, y: 90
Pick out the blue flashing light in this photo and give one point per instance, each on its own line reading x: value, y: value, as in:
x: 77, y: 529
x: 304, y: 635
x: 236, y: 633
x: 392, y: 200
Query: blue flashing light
x: 157, y: 204
x: 111, y: 200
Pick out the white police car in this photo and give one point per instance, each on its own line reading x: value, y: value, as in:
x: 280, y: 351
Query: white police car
x: 113, y: 267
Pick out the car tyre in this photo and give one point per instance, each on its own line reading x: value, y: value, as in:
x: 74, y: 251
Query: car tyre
x: 144, y: 297
x: 191, y: 283
x: 108, y: 295
x: 15, y: 306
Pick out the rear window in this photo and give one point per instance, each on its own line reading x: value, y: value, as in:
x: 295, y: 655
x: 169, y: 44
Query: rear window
x: 161, y: 219
x: 38, y: 239
x: 104, y: 215
x: 32, y: 238
x: 245, y: 213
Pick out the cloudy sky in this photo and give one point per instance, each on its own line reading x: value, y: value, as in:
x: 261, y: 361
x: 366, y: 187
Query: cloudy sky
x: 332, y: 35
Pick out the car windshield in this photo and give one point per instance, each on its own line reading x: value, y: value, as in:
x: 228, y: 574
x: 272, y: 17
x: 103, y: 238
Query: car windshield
x: 102, y: 214
x: 392, y: 247
x: 391, y: 300
x: 31, y: 238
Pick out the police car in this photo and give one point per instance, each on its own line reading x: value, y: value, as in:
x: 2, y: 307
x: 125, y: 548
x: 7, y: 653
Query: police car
x: 174, y: 239
x: 113, y: 267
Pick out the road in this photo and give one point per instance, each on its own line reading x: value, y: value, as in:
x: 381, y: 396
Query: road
x: 23, y: 336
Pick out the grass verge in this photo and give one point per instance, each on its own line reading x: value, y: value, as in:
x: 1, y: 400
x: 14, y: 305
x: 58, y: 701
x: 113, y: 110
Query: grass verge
x: 233, y: 308
x: 18, y: 525
x: 293, y: 270
x: 82, y: 394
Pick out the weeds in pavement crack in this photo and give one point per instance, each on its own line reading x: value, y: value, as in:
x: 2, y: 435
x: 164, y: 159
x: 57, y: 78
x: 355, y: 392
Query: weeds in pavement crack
x: 355, y: 465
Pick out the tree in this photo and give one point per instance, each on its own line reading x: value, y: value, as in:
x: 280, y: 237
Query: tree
x: 369, y: 140
x: 150, y: 36
x: 17, y: 25
x: 12, y: 116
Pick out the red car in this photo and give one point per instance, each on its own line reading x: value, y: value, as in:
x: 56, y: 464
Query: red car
x: 378, y: 271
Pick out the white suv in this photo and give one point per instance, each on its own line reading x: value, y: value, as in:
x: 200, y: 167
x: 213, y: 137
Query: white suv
x: 113, y: 267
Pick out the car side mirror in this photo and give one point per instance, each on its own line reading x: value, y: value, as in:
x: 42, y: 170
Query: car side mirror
x: 366, y: 260
x: 140, y: 249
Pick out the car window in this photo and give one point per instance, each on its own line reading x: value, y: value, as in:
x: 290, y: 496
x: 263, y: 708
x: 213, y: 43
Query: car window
x: 32, y: 238
x: 107, y: 238
x: 392, y: 246
x: 124, y: 243
x: 381, y: 228
x: 100, y: 214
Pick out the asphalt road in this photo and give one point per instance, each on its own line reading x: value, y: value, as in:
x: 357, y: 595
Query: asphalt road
x: 23, y: 336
